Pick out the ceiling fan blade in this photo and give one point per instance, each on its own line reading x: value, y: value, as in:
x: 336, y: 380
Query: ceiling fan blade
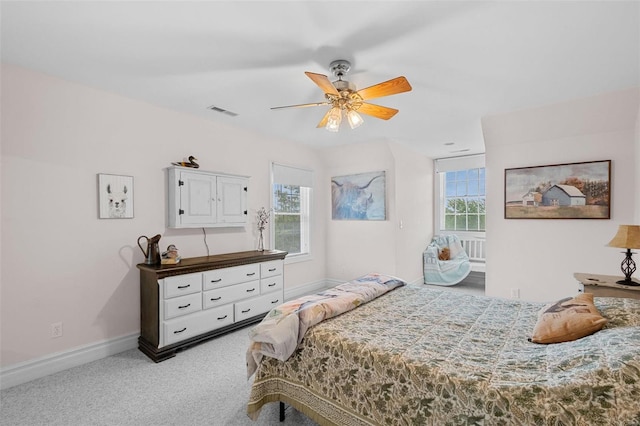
x: 389, y: 87
x: 377, y: 111
x: 323, y: 82
x: 324, y: 120
x: 302, y: 105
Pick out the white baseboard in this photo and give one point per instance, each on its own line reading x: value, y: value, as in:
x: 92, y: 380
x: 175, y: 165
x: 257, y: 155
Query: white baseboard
x: 24, y: 372
x: 18, y: 374
x: 417, y: 281
x: 310, y: 288
x: 478, y: 266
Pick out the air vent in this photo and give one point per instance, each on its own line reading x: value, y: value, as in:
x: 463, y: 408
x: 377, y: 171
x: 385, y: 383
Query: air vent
x: 222, y: 110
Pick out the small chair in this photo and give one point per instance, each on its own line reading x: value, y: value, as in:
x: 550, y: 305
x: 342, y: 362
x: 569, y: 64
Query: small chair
x: 445, y: 272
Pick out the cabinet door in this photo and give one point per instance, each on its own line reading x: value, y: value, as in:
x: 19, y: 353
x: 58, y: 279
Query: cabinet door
x: 232, y: 199
x: 197, y: 199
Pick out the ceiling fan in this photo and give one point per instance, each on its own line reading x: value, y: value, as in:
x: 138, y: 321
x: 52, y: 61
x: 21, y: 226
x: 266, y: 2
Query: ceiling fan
x: 345, y: 100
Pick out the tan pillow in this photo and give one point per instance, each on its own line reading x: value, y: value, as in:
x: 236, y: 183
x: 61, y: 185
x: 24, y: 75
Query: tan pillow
x: 568, y: 319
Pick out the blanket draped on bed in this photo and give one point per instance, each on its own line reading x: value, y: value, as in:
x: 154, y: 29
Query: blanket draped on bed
x: 420, y: 356
x: 283, y: 328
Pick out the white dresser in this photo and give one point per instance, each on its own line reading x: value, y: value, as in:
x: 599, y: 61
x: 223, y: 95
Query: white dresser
x: 204, y: 297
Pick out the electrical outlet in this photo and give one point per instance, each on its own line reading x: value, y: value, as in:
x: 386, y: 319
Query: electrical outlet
x: 515, y: 293
x: 56, y: 329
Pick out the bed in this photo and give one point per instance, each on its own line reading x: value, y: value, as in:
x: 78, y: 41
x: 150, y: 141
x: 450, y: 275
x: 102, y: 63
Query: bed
x: 422, y: 356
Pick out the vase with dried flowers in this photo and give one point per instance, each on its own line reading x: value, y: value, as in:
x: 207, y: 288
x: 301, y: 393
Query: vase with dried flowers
x: 262, y: 219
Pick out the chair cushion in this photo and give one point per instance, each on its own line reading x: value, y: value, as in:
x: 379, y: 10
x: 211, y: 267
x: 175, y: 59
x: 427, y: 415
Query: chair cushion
x: 568, y: 319
x: 440, y: 269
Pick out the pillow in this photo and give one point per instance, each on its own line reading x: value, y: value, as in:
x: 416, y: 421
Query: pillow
x: 567, y: 319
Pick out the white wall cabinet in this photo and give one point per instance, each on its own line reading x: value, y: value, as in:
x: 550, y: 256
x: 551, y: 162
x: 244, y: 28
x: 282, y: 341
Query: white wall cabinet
x: 204, y: 297
x: 200, y: 199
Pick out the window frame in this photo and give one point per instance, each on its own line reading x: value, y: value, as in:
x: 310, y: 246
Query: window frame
x: 306, y: 209
x: 452, y: 164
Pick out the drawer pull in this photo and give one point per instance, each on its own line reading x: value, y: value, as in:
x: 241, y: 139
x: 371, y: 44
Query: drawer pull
x: 272, y: 269
x: 216, y: 281
x: 221, y: 318
x: 184, y: 286
x: 271, y: 285
x: 213, y: 299
x: 275, y: 301
x: 184, y: 306
x: 180, y: 331
x: 251, y: 289
x: 253, y: 273
x: 244, y: 312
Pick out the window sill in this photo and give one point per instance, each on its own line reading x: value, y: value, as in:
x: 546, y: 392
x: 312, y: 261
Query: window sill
x: 295, y: 258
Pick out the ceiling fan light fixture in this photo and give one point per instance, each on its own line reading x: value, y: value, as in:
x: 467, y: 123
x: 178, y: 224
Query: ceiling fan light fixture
x: 343, y: 97
x: 354, y: 119
x: 334, y: 119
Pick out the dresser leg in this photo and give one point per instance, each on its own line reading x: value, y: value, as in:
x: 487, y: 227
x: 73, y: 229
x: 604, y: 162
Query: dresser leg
x: 281, y: 411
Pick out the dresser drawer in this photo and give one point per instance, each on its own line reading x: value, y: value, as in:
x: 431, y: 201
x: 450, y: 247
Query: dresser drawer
x: 181, y: 285
x: 271, y: 284
x: 256, y: 306
x: 224, y: 295
x: 183, y: 328
x: 228, y: 276
x: 270, y: 269
x: 182, y: 305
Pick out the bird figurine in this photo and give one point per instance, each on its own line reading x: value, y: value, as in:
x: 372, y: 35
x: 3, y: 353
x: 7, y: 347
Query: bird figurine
x: 191, y: 163
x: 171, y: 253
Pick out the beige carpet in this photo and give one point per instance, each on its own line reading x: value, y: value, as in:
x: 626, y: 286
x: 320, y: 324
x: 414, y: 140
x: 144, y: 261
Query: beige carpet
x: 203, y: 385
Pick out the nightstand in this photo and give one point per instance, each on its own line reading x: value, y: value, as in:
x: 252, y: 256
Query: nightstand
x: 605, y: 286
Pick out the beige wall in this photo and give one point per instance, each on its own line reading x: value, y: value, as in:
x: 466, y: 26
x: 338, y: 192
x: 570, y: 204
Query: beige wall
x: 637, y: 180
x: 414, y: 201
x: 353, y: 246
x: 356, y: 247
x: 59, y: 261
x: 539, y: 257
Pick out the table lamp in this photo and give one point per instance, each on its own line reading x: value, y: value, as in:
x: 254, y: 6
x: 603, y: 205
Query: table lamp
x: 628, y: 237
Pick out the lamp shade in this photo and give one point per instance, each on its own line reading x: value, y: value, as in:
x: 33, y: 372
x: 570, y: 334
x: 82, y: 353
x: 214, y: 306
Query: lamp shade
x: 334, y: 119
x: 355, y: 120
x: 628, y: 237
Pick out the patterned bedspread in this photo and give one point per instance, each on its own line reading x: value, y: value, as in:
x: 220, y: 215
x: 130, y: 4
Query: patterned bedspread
x: 282, y: 329
x: 419, y: 356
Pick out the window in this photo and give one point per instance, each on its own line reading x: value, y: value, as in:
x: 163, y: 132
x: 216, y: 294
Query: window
x: 291, y: 189
x: 461, y: 194
x: 464, y: 200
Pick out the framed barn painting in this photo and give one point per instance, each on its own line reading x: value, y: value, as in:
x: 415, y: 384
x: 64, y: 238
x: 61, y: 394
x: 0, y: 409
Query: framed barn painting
x: 559, y: 191
x: 358, y: 197
x: 115, y: 196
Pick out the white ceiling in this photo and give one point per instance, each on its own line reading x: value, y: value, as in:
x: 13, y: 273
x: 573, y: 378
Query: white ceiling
x: 464, y: 60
